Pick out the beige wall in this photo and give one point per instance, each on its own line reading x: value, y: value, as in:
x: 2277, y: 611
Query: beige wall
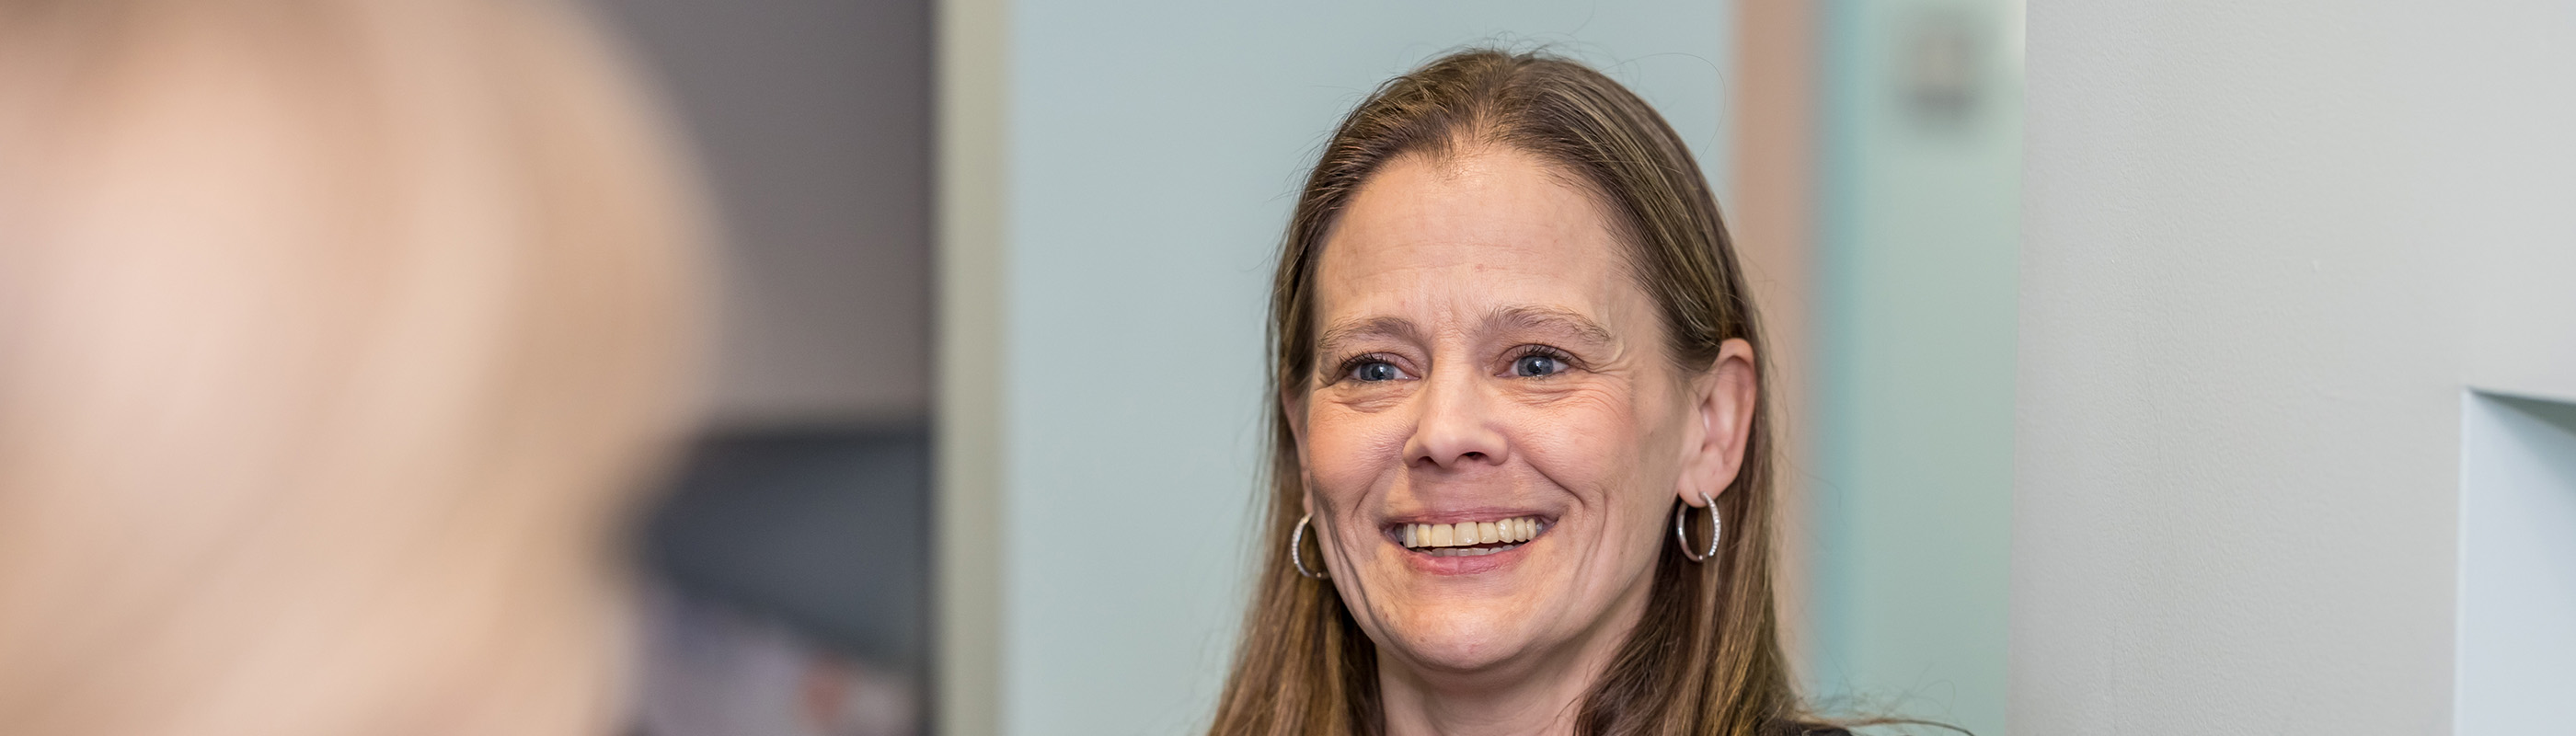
x: 1771, y: 218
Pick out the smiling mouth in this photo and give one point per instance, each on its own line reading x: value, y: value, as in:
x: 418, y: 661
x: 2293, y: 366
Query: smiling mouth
x: 1469, y: 538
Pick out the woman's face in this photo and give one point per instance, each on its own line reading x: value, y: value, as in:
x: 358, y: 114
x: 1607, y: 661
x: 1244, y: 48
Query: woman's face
x: 1487, y: 365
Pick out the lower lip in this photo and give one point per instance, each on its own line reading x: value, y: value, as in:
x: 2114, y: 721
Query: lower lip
x: 1464, y: 565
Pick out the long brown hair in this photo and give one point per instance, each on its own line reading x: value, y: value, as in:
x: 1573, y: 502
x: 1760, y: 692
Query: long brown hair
x: 1706, y: 656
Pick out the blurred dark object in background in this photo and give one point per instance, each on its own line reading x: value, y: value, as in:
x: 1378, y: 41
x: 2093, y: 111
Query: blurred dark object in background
x: 792, y: 556
x: 798, y: 577
x: 712, y: 669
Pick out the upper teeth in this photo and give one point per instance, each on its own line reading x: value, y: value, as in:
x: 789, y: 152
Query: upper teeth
x: 1470, y: 533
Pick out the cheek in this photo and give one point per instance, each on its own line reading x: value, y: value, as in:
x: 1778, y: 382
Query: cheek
x: 1588, y: 442
x: 1347, y: 452
x: 1620, y: 469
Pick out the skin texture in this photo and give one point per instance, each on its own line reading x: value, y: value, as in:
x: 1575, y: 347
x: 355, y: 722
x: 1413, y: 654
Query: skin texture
x: 1484, y: 353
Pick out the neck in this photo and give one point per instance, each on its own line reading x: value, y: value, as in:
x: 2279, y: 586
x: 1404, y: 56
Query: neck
x: 1535, y: 694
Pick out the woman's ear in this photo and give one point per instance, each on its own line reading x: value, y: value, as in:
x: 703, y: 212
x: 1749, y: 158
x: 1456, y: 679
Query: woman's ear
x: 1721, y: 423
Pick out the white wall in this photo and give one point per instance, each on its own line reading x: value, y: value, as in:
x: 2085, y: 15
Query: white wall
x: 1149, y: 153
x: 2266, y: 247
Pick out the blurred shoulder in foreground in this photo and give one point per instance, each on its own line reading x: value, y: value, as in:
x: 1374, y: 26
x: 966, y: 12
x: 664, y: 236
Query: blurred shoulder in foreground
x: 335, y: 338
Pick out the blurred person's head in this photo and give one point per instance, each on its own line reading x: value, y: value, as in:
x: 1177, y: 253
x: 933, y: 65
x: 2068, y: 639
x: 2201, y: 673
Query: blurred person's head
x: 335, y: 337
x: 1513, y: 350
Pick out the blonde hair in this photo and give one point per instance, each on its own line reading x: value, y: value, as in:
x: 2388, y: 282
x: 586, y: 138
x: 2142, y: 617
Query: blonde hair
x: 334, y: 339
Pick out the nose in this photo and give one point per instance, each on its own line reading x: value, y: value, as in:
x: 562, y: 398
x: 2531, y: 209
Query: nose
x: 1454, y: 428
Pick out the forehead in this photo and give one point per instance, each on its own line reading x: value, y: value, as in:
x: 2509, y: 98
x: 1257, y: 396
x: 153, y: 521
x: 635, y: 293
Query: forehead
x: 1471, y: 233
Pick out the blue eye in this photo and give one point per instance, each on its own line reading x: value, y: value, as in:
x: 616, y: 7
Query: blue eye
x: 1375, y: 370
x: 1536, y: 366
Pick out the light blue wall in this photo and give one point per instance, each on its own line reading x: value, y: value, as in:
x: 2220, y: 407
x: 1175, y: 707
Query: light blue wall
x: 2517, y: 565
x: 1920, y: 234
x: 1155, y: 151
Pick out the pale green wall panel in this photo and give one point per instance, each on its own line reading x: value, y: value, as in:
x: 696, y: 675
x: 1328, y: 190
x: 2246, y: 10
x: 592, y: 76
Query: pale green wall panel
x: 1919, y: 217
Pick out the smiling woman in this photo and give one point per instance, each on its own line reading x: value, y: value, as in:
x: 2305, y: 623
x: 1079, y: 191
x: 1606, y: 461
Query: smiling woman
x: 1512, y: 347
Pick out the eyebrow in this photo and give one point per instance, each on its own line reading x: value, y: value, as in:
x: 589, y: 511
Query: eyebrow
x: 1517, y: 318
x: 1549, y: 319
x: 1355, y: 329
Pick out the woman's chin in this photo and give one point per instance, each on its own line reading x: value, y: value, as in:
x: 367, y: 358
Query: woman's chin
x: 1467, y: 639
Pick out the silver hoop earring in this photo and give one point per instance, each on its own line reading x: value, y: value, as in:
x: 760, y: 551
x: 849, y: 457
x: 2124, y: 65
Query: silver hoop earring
x: 1296, y: 549
x: 1714, y: 527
